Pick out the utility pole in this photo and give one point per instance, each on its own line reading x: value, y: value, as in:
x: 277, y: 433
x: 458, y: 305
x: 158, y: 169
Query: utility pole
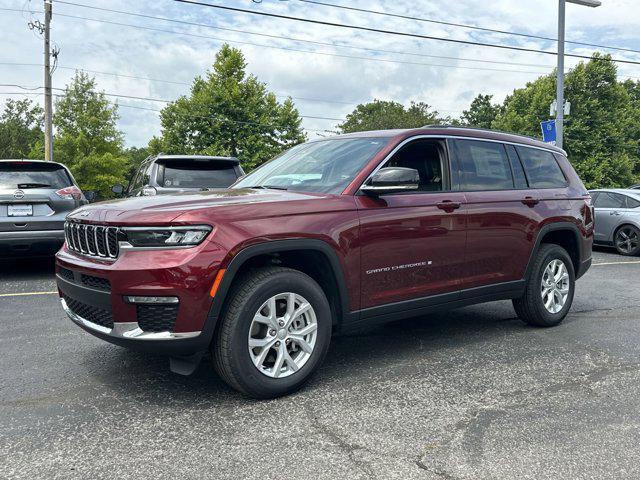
x: 48, y: 109
x: 560, y: 73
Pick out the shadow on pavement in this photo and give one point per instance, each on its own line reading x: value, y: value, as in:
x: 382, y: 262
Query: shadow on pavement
x: 351, y: 358
x: 27, y: 268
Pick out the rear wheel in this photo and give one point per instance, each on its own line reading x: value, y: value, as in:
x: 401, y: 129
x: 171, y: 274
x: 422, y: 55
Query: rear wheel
x: 549, y: 290
x: 627, y: 240
x: 274, y: 333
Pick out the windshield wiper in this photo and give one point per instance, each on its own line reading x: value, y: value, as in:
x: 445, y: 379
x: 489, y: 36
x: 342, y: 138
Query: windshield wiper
x: 269, y: 187
x: 33, y: 185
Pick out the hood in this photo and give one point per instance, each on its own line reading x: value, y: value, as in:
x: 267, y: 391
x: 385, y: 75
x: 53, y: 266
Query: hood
x: 200, y: 206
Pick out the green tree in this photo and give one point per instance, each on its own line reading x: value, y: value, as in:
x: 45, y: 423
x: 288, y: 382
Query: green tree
x: 87, y: 139
x: 229, y: 113
x: 20, y: 128
x: 601, y: 134
x: 384, y: 114
x: 481, y: 113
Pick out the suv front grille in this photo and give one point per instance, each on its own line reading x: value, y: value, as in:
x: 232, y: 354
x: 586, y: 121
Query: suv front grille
x: 93, y: 314
x: 157, y: 318
x: 92, y: 240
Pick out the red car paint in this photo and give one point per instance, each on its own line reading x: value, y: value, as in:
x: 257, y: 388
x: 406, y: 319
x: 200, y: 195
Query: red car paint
x: 383, y: 244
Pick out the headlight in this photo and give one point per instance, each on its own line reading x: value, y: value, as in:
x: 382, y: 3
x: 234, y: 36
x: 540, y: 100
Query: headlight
x: 166, y: 236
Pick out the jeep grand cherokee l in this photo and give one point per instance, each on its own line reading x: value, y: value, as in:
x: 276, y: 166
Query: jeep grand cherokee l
x: 334, y: 234
x: 35, y: 198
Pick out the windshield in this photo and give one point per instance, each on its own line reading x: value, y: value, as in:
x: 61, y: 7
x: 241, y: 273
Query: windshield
x: 196, y: 174
x: 325, y: 166
x: 33, y: 175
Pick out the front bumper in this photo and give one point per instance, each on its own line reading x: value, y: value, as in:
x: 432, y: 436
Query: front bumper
x: 31, y: 242
x: 93, y: 296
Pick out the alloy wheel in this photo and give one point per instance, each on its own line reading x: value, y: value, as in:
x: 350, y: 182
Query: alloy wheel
x: 627, y: 240
x: 282, y: 335
x: 555, y: 286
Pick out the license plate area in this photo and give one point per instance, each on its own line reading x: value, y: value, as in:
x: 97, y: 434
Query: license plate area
x: 21, y: 210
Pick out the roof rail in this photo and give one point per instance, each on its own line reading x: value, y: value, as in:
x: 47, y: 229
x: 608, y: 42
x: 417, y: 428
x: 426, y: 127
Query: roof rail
x: 447, y: 125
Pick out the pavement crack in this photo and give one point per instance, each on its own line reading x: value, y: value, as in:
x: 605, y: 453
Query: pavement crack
x: 350, y: 449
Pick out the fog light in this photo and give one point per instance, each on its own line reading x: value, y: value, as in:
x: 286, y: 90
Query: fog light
x: 151, y: 300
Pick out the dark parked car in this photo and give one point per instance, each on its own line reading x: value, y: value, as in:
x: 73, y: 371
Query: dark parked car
x: 166, y: 174
x: 335, y: 234
x: 35, y: 198
x: 617, y: 214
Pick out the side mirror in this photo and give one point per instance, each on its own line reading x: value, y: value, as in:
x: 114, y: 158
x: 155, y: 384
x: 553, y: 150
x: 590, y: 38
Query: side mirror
x: 118, y: 189
x: 392, y: 180
x: 90, y: 195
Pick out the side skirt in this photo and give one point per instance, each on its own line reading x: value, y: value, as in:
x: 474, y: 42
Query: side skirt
x: 435, y: 303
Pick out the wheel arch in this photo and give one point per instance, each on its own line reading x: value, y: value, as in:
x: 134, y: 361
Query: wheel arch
x: 249, y: 256
x: 565, y: 234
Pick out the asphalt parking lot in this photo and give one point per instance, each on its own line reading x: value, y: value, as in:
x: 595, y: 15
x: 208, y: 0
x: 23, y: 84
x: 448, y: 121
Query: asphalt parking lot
x: 469, y: 394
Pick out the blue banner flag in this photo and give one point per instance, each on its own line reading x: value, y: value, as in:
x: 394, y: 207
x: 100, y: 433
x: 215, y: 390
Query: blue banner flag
x: 549, y: 131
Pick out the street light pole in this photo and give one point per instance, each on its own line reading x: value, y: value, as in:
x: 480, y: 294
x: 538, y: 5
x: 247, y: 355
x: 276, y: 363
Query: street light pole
x: 560, y: 79
x: 560, y: 73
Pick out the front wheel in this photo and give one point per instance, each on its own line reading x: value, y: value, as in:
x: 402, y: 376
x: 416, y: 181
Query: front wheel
x: 549, y: 290
x: 274, y: 333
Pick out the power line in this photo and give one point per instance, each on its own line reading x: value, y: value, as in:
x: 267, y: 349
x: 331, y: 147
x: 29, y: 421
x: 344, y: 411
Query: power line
x: 624, y: 145
x: 241, y: 42
x: 161, y: 100
x: 211, y: 117
x: 462, y: 25
x: 162, y: 80
x: 389, y: 32
x: 384, y: 60
x: 294, y: 39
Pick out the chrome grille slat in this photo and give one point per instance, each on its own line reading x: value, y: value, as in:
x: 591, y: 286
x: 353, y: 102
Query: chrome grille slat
x: 98, y: 241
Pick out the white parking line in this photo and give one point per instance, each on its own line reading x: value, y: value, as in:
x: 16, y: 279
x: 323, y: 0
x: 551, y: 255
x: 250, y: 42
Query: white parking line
x: 24, y: 294
x: 615, y: 263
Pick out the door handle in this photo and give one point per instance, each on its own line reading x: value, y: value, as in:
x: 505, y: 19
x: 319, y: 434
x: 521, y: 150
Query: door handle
x: 530, y: 201
x: 448, y: 205
x: 614, y: 213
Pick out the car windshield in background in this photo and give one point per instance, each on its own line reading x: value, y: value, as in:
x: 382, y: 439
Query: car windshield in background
x: 196, y: 174
x: 15, y: 175
x: 325, y: 166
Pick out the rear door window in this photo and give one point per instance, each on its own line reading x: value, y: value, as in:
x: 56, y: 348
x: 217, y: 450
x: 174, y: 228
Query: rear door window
x: 196, y: 174
x: 24, y: 175
x: 610, y: 200
x: 542, y: 168
x: 519, y: 177
x: 483, y: 165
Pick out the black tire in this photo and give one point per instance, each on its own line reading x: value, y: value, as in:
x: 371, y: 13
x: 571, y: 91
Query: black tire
x: 633, y: 233
x: 530, y: 307
x: 230, y: 351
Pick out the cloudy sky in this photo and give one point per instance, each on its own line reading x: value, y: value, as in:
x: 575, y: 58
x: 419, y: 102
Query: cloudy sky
x: 327, y: 70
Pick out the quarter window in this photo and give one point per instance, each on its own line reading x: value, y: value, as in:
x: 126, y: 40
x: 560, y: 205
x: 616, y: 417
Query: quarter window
x: 542, y: 168
x: 632, y: 202
x: 483, y: 165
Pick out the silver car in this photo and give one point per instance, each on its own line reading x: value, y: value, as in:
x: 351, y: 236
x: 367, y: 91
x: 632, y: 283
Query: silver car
x: 35, y: 198
x: 617, y: 221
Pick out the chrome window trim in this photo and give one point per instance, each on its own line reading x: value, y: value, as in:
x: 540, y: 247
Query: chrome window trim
x: 126, y: 330
x: 452, y: 137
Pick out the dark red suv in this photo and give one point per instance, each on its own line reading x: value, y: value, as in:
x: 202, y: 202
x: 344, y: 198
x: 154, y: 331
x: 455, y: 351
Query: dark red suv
x: 334, y: 234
